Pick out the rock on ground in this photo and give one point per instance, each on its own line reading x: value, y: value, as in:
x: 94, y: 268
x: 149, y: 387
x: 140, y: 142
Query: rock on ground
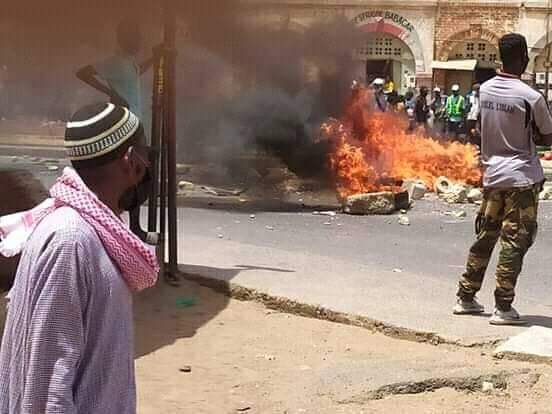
x: 370, y: 203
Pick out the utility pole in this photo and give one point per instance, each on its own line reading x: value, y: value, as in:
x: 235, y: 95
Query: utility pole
x: 164, y: 142
x: 547, y: 63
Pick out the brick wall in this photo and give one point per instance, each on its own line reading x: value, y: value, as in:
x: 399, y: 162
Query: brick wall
x: 463, y: 22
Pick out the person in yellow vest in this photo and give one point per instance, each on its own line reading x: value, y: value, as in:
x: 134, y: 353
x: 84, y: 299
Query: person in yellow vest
x: 454, y: 109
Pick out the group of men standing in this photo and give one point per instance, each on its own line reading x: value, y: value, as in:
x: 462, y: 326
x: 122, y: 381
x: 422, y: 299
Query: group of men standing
x: 454, y: 117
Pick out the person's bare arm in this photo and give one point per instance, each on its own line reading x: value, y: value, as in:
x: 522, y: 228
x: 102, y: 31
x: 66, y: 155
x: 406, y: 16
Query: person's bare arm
x: 90, y: 76
x: 146, y: 65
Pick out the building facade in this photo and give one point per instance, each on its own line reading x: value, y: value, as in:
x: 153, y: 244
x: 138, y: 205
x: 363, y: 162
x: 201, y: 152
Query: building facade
x: 425, y: 42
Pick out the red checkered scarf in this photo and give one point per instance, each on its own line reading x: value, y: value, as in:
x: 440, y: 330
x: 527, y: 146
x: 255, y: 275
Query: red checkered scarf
x: 136, y: 261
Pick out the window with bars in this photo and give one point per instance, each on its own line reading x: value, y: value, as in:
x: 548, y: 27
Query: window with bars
x: 383, y: 47
x: 470, y: 46
x: 481, y: 47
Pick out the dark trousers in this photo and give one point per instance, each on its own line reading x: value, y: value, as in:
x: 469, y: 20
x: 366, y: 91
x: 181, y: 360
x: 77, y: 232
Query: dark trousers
x: 454, y: 129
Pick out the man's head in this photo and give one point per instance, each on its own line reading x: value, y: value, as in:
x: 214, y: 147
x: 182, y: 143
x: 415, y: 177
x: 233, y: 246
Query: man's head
x: 455, y: 89
x: 437, y: 91
x: 514, y: 53
x: 475, y: 88
x: 129, y: 37
x: 378, y: 84
x: 105, y: 144
x: 424, y: 91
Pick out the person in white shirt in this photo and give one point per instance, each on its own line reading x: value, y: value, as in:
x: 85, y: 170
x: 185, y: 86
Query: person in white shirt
x: 473, y: 102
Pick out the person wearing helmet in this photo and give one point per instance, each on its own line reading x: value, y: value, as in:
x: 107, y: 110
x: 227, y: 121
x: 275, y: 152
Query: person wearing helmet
x: 454, y: 110
x: 381, y: 99
x: 437, y: 107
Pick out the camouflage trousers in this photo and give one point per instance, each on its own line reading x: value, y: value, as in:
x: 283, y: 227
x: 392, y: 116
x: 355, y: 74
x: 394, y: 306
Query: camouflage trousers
x: 511, y: 216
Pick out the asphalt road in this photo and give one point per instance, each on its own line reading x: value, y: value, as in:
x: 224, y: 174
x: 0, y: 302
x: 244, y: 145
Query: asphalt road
x: 372, y: 266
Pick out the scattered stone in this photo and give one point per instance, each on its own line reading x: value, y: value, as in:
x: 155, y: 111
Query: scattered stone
x: 186, y: 369
x: 220, y: 236
x: 252, y: 216
x: 243, y: 408
x: 458, y: 194
x: 328, y: 223
x: 186, y: 186
x: 397, y: 270
x: 404, y: 220
x: 52, y: 168
x: 416, y: 189
x: 474, y: 195
x: 325, y: 213
x: 269, y: 228
x: 546, y: 193
x: 487, y: 387
x: 370, y: 204
x: 459, y: 214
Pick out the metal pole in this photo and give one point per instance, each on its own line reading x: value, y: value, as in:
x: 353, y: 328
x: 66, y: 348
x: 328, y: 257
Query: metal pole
x: 547, y: 50
x: 156, y: 131
x: 170, y: 134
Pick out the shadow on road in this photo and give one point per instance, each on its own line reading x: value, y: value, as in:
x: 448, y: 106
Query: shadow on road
x: 539, y: 320
x: 532, y: 320
x: 165, y: 314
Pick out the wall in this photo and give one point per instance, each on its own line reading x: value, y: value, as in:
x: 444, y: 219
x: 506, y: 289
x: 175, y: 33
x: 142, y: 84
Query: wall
x: 453, y: 20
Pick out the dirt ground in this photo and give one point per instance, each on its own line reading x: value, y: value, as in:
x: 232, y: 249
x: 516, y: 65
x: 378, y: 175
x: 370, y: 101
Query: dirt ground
x: 243, y: 357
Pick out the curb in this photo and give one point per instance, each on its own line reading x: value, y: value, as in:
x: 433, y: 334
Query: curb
x: 292, y: 307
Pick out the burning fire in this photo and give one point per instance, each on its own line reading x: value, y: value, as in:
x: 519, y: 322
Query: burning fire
x: 373, y: 152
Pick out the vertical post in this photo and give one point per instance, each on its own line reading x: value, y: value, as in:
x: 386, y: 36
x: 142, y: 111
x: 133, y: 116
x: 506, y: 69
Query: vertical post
x: 547, y: 53
x: 156, y: 132
x: 170, y: 133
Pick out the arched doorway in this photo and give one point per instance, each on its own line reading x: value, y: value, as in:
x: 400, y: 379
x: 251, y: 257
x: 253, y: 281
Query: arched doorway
x: 386, y: 56
x: 475, y: 44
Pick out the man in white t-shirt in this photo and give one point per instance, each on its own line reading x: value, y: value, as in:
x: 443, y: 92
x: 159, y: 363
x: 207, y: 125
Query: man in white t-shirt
x: 514, y: 117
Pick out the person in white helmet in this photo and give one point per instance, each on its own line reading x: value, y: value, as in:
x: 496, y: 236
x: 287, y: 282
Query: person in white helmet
x: 437, y: 107
x: 455, y: 109
x: 379, y: 94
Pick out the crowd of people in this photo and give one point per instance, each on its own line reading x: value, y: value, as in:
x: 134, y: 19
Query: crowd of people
x: 452, y: 117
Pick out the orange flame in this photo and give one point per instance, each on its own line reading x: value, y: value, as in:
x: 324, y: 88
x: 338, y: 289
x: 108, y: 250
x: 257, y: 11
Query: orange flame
x: 372, y: 151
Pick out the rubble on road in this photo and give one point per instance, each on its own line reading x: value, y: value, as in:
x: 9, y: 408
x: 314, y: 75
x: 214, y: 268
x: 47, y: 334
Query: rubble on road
x: 221, y: 192
x: 475, y: 195
x: 325, y: 213
x: 416, y: 189
x: 370, y: 204
x: 451, y: 192
x: 546, y: 193
x: 186, y: 186
x: 404, y: 220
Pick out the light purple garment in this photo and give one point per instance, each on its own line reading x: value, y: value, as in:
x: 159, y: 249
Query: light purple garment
x: 68, y: 340
x: 510, y: 110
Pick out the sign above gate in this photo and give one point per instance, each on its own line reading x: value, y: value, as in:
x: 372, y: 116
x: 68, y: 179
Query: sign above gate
x: 384, y: 17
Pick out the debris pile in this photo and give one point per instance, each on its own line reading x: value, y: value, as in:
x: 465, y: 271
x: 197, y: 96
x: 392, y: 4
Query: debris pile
x: 381, y: 203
